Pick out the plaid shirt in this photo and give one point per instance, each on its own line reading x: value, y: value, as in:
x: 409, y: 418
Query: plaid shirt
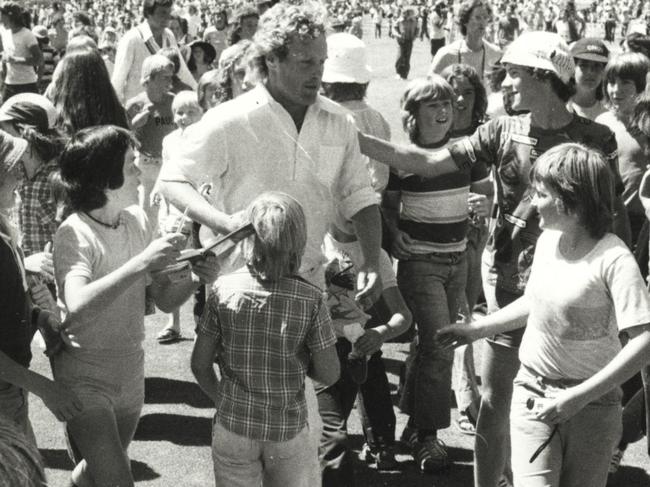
x: 265, y: 333
x: 37, y: 214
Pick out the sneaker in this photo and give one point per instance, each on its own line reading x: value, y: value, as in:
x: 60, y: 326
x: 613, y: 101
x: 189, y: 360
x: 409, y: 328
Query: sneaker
x: 615, y: 462
x: 465, y: 425
x: 382, y: 457
x: 430, y: 455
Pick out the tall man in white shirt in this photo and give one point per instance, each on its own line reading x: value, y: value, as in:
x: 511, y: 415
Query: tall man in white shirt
x: 141, y: 42
x: 282, y: 136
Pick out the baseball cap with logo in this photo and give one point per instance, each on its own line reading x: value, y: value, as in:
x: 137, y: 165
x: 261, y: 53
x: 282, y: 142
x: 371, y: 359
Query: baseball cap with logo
x: 542, y: 50
x: 591, y: 49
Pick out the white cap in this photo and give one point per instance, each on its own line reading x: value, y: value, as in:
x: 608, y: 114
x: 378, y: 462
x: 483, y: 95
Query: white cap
x: 346, y: 60
x: 543, y: 50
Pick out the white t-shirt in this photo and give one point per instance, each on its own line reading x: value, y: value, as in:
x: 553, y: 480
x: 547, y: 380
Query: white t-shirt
x: 83, y: 248
x: 18, y: 44
x: 577, y: 308
x: 591, y: 113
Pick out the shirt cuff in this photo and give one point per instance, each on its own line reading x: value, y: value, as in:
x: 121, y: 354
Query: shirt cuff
x: 357, y: 201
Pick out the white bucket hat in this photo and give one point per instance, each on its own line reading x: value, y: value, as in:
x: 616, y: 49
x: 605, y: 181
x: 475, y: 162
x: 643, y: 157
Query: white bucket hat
x: 346, y: 60
x: 543, y: 50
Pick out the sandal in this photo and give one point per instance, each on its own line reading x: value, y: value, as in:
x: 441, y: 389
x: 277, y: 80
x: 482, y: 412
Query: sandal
x: 465, y: 425
x: 168, y: 336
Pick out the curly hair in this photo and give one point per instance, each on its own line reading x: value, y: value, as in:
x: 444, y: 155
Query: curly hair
x: 278, y: 26
x: 465, y: 12
x: 420, y: 91
x: 242, y: 13
x: 457, y: 72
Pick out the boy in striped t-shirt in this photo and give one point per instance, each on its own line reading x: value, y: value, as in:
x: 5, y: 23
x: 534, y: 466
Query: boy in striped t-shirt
x: 428, y: 222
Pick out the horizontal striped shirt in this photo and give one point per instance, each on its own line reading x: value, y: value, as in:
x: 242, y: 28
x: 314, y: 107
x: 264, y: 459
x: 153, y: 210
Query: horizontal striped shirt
x: 434, y: 211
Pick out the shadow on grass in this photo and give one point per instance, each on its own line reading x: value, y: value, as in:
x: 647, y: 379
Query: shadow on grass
x: 629, y: 477
x: 160, y: 390
x: 59, y: 460
x: 176, y: 428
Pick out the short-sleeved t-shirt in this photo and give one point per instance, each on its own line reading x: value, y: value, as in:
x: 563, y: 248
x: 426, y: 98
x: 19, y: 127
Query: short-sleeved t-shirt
x: 84, y: 248
x: 159, y: 124
x: 434, y: 211
x: 512, y: 145
x: 577, y: 308
x: 18, y: 44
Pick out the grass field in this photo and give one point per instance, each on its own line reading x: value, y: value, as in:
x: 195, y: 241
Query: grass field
x: 171, y: 446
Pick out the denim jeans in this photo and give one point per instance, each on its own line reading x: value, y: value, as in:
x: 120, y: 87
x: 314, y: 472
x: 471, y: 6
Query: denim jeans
x: 581, y: 449
x: 433, y: 287
x: 244, y: 462
x: 14, y: 407
x: 335, y: 403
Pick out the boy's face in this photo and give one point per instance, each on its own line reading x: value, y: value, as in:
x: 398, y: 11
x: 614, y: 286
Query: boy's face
x: 161, y: 82
x: 187, y: 115
x: 434, y: 119
x: 524, y: 89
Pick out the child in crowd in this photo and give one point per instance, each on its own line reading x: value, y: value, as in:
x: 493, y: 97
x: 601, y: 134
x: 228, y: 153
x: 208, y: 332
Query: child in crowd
x: 268, y: 329
x: 187, y: 111
x: 428, y: 222
x: 584, y: 290
x: 591, y: 56
x: 345, y: 80
x: 625, y: 79
x: 16, y: 320
x: 469, y: 112
x: 173, y: 55
x: 152, y: 119
x: 106, y: 261
x: 208, y: 92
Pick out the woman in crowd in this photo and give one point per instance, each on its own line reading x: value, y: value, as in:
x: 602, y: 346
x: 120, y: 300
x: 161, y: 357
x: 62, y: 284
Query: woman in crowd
x: 201, y: 58
x: 82, y: 93
x: 21, y: 55
x: 105, y: 261
x: 590, y: 57
x: 584, y: 289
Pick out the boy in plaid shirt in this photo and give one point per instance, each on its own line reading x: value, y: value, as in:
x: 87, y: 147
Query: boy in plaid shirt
x: 268, y: 328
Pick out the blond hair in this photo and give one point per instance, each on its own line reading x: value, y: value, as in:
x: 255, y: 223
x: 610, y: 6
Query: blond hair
x: 185, y: 98
x: 280, y: 237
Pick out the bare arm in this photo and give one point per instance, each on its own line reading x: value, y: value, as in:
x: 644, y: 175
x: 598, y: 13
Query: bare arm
x: 367, y: 226
x: 325, y: 367
x: 409, y: 159
x: 184, y: 195
x: 203, y: 355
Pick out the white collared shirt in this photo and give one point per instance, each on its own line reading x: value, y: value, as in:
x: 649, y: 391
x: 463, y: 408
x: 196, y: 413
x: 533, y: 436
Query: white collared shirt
x: 250, y: 145
x: 131, y: 53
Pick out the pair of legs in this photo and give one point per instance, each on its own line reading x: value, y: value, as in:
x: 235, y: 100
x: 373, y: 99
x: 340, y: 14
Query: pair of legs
x: 335, y: 403
x: 499, y: 368
x: 579, y: 451
x: 403, y: 63
x: 111, y: 390
x: 433, y: 287
x: 244, y: 462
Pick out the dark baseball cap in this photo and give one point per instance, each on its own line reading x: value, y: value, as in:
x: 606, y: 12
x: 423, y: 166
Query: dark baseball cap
x: 591, y: 49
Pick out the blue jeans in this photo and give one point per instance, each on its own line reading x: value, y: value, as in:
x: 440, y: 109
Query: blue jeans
x: 243, y: 462
x: 433, y: 287
x: 581, y: 449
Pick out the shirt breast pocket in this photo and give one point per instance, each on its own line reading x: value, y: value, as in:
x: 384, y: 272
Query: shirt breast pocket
x: 330, y: 160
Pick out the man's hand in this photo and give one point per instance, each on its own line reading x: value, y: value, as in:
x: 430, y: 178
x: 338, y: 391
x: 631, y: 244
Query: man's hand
x: 206, y: 270
x: 63, y: 403
x: 368, y: 287
x: 41, y: 264
x: 370, y: 342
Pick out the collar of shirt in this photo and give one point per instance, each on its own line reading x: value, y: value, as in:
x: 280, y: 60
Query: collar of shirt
x: 146, y: 34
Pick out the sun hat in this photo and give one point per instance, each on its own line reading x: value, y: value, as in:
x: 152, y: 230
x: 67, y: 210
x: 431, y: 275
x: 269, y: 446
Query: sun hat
x: 543, y: 50
x: 591, y: 49
x: 31, y: 109
x: 208, y: 49
x: 346, y: 60
x: 11, y: 150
